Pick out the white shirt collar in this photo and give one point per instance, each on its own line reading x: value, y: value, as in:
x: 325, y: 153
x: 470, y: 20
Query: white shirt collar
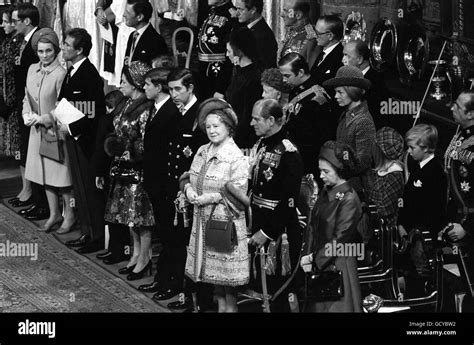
x: 426, y: 160
x: 27, y: 37
x: 329, y: 49
x: 252, y: 24
x: 160, y: 104
x: 141, y: 31
x: 77, y: 65
x: 365, y: 70
x: 190, y: 104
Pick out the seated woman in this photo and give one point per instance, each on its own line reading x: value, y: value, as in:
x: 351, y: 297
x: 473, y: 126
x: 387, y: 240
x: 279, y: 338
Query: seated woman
x: 334, y: 224
x: 43, y: 84
x: 128, y: 205
x: 214, y: 165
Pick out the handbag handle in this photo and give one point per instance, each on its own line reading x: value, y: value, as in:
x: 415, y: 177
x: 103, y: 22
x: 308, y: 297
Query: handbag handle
x: 227, y: 209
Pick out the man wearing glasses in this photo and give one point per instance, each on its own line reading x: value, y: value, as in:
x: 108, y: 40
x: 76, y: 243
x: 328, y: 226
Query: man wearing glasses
x: 329, y: 31
x: 459, y: 165
x: 300, y: 36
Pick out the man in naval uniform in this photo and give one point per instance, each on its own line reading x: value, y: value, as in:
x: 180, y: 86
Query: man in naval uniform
x: 215, y: 70
x: 276, y: 172
x: 459, y: 165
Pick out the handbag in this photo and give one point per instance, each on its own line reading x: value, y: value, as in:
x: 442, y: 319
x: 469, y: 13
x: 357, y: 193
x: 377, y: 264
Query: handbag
x: 221, y: 235
x: 125, y: 172
x: 324, y: 286
x: 50, y: 145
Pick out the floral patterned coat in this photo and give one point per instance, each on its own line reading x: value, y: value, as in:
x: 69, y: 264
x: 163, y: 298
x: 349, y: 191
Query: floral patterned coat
x: 208, y: 174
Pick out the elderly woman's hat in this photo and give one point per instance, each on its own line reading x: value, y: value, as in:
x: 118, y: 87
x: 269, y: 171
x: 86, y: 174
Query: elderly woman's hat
x: 348, y: 76
x: 138, y: 70
x: 45, y: 34
x: 221, y: 108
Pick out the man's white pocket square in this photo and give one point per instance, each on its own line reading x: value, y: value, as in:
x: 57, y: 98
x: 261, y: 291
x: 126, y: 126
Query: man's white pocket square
x: 418, y: 183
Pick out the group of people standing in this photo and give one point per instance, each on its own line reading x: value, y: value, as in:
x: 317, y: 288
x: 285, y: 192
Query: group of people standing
x: 152, y: 161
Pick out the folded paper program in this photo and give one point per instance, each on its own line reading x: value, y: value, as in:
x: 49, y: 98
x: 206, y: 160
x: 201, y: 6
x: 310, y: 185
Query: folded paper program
x: 66, y: 113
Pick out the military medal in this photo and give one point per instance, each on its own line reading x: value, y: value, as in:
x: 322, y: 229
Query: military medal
x: 187, y: 152
x: 463, y: 171
x: 268, y: 174
x: 465, y: 187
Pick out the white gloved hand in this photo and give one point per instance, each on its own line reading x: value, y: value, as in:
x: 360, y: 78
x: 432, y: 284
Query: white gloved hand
x: 306, y: 262
x: 208, y: 198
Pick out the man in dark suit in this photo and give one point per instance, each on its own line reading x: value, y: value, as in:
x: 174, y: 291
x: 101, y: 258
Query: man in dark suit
x: 26, y: 19
x: 250, y: 14
x: 309, y: 120
x: 83, y: 87
x: 329, y: 32
x: 357, y: 53
x: 144, y: 44
x: 160, y: 131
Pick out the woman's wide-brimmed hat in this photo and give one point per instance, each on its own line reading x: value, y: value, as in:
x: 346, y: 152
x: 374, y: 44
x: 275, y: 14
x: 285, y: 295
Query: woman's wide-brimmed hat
x: 348, y: 76
x: 221, y: 108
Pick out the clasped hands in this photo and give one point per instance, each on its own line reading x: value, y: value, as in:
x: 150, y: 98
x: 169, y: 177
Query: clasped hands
x: 200, y: 200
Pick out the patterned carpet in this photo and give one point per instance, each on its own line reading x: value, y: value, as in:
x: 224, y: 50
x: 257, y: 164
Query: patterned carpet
x: 58, y: 279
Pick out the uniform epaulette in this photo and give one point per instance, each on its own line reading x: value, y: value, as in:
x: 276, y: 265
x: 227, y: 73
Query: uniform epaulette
x: 289, y: 145
x: 310, y: 33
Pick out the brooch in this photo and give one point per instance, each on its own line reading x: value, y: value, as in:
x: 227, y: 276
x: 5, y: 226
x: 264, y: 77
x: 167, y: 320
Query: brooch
x: 187, y: 152
x: 339, y: 196
x: 465, y: 187
x: 268, y: 174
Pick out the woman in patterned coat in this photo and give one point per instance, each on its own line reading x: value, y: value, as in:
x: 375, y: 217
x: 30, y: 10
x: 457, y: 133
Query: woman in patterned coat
x: 356, y: 126
x: 214, y: 165
x: 128, y: 205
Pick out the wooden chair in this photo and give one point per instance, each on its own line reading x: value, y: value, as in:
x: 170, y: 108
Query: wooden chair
x: 187, y: 54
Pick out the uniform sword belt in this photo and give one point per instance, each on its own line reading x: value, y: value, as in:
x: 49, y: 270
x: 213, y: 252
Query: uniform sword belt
x: 211, y: 57
x: 265, y: 203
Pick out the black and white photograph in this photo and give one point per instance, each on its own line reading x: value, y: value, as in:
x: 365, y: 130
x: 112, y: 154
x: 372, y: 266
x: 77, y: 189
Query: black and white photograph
x: 303, y: 167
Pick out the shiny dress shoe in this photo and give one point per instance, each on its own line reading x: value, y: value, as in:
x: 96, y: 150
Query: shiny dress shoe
x: 39, y: 214
x: 104, y: 255
x: 18, y: 203
x: 165, y: 294
x: 112, y: 260
x: 141, y: 274
x: 126, y: 270
x: 152, y: 287
x: 28, y: 210
x: 50, y: 227
x: 180, y: 305
x: 13, y: 200
x: 90, y: 247
x: 79, y: 242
